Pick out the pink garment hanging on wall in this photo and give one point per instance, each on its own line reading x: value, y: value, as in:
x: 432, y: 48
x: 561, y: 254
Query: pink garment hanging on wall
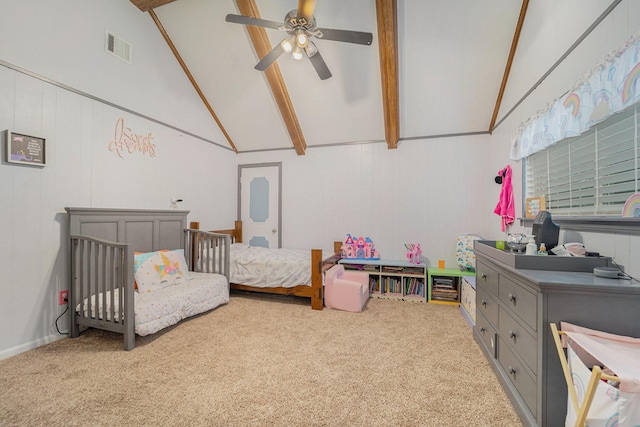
x: 505, y: 207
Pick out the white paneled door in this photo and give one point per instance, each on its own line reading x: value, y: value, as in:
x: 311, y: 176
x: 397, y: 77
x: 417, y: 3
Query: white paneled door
x: 260, y: 204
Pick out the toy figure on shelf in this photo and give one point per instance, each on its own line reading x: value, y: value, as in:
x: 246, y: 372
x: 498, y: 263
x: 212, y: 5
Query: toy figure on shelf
x: 359, y: 248
x: 413, y: 252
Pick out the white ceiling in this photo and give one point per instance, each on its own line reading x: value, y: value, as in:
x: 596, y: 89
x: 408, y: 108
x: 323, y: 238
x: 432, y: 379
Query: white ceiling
x: 451, y: 61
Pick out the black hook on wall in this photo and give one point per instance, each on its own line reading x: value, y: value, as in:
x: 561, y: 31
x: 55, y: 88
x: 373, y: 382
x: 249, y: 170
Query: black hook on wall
x: 501, y: 174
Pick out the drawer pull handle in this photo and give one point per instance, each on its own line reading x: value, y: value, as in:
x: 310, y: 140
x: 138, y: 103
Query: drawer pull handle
x: 484, y: 277
x: 484, y: 303
x: 483, y: 330
x: 512, y: 335
x: 512, y: 298
x: 512, y: 371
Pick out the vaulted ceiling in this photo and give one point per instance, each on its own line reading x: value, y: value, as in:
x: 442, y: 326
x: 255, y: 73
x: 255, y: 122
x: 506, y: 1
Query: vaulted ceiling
x: 434, y: 69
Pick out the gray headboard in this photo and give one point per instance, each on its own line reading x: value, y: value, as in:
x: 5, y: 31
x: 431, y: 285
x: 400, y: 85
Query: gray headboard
x: 146, y: 229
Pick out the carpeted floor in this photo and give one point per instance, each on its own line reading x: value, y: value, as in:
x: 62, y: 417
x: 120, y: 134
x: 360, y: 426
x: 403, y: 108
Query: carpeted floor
x: 265, y: 361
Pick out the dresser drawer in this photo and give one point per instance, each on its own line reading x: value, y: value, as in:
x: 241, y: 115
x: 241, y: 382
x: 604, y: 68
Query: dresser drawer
x: 487, y: 333
x: 486, y: 277
x: 517, y: 373
x: 520, y: 300
x: 487, y: 305
x: 512, y: 332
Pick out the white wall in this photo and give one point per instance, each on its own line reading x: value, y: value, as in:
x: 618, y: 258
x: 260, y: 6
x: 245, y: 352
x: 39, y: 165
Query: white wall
x: 63, y: 40
x: 610, y: 35
x: 425, y: 192
x: 81, y: 171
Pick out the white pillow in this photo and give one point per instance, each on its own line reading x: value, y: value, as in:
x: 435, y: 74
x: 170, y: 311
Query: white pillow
x: 157, y: 270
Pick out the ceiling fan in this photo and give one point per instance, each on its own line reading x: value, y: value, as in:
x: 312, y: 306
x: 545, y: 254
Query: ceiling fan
x: 300, y: 26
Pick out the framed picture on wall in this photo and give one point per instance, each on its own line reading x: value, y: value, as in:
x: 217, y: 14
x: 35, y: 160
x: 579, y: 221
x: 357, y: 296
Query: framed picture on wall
x: 534, y: 205
x: 25, y: 149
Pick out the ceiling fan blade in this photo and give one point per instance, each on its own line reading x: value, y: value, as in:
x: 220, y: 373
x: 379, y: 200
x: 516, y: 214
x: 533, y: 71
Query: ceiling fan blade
x: 256, y: 22
x: 320, y: 66
x: 357, y: 37
x: 306, y: 9
x: 270, y: 58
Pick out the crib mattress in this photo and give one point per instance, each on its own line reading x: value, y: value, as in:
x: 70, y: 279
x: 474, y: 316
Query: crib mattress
x: 167, y: 306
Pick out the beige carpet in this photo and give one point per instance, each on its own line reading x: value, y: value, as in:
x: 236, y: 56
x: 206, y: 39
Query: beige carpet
x: 267, y: 361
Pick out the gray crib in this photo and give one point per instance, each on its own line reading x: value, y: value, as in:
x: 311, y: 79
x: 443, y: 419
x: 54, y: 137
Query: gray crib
x: 103, y: 242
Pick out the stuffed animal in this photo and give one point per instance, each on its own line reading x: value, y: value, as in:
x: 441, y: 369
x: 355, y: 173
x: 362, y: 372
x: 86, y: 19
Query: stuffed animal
x: 413, y: 252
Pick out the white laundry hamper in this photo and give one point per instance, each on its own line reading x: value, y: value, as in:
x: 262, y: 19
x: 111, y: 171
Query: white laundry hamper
x: 608, y: 393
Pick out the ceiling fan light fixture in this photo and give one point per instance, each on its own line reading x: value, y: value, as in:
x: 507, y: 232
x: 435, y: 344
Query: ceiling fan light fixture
x: 297, y: 53
x: 302, y: 39
x: 287, y: 45
x: 311, y: 49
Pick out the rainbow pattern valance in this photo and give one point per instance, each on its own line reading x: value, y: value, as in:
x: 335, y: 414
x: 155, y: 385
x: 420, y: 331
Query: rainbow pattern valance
x: 608, y: 89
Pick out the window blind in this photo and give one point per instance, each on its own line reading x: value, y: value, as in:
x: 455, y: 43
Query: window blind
x: 592, y: 174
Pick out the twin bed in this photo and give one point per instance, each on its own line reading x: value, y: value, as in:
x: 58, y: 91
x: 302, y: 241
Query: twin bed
x: 277, y: 271
x: 190, y: 270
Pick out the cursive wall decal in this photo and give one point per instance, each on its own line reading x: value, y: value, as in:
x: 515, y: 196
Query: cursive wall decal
x: 125, y: 141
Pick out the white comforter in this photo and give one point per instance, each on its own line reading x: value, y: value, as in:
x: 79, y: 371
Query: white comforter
x: 267, y: 268
x: 167, y: 306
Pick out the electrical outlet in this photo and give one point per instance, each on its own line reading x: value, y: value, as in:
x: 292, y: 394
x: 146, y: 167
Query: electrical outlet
x: 63, y: 297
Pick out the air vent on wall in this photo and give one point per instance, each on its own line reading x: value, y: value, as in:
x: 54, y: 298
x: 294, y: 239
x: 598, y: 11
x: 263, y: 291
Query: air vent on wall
x: 117, y: 47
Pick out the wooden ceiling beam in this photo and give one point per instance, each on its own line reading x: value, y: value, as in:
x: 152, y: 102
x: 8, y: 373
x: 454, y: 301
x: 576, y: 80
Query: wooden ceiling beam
x: 507, y: 70
x: 262, y: 45
x: 190, y: 77
x: 147, y: 5
x: 387, y: 14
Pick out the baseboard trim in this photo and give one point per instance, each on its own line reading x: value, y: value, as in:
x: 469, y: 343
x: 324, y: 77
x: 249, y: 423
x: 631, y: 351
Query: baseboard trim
x: 14, y: 351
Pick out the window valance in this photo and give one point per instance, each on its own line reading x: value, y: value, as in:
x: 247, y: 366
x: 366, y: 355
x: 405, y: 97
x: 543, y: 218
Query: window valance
x: 609, y: 88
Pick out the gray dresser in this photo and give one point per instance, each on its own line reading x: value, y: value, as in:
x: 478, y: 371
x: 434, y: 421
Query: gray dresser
x: 517, y: 296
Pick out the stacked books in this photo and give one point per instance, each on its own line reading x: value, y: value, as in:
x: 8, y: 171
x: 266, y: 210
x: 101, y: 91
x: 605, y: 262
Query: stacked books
x: 413, y: 270
x: 444, y: 289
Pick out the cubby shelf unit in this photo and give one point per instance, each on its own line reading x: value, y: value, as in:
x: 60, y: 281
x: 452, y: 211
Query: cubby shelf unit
x: 444, y: 285
x: 392, y: 279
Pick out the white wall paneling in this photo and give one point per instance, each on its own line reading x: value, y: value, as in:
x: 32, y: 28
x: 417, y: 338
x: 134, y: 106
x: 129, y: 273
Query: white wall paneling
x: 610, y: 35
x: 7, y: 88
x: 425, y: 192
x: 82, y: 171
x: 65, y: 43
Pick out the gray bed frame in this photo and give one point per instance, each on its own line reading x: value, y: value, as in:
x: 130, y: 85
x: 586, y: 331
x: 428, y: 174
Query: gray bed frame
x: 103, y: 242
